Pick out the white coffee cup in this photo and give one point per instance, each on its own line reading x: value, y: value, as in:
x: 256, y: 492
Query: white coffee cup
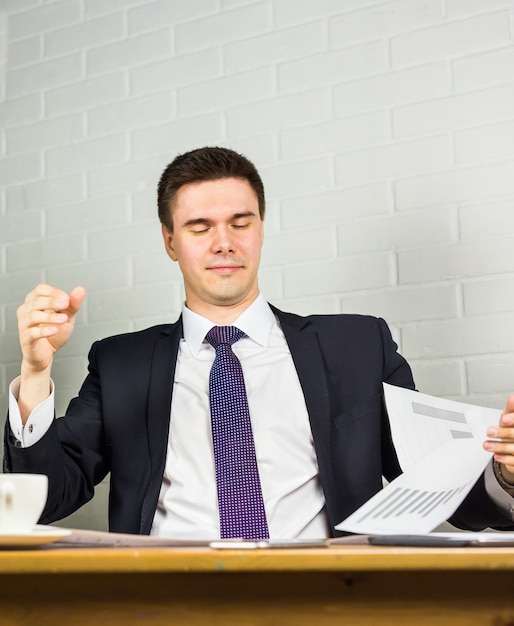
x: 22, y: 499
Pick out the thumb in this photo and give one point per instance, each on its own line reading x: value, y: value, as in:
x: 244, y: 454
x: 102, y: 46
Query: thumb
x: 509, y: 407
x: 77, y: 295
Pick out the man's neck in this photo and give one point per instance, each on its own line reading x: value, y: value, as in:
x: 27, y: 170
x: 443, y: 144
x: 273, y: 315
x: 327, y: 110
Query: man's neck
x: 222, y: 315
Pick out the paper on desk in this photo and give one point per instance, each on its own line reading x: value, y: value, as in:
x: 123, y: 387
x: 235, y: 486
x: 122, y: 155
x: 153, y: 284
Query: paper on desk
x: 439, y: 447
x: 79, y: 538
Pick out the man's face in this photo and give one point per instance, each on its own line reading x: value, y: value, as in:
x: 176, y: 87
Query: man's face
x: 217, y: 239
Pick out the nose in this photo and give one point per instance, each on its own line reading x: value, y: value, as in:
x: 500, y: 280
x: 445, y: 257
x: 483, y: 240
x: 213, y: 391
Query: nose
x: 223, y: 241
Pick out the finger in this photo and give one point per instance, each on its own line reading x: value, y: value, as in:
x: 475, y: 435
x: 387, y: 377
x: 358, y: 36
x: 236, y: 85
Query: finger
x: 509, y: 410
x: 46, y: 297
x: 76, y: 298
x: 39, y: 318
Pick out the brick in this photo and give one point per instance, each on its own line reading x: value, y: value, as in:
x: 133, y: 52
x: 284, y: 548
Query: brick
x: 459, y: 337
x: 21, y: 226
x: 43, y: 75
x: 153, y: 15
x: 405, y: 304
x: 463, y: 8
x: 39, y: 136
x: 466, y: 259
x: 225, y: 92
x: 260, y: 149
x: 492, y: 66
x: 485, y: 143
x: 287, y: 12
x: 393, y: 160
x: 418, y: 229
x: 288, y: 179
x: 135, y: 175
x: 144, y: 205
x: 455, y: 38
x: 480, y: 221
x: 277, y: 113
x: 270, y: 283
x: 84, y: 155
x: 349, y: 132
x: 117, y: 304
x: 69, y: 371
x: 288, y: 248
x: 20, y: 168
x: 123, y: 241
x: 334, y: 66
x: 44, y: 253
x: 469, y: 109
x: 129, y: 52
x: 491, y: 295
x: 15, y: 286
x: 21, y: 110
x: 274, y: 47
x: 10, y: 350
x: 86, y: 94
x: 46, y: 18
x: 96, y: 274
x: 460, y: 185
x: 178, y: 136
x: 215, y: 30
x: 393, y: 88
x: 130, y: 114
x: 25, y: 52
x: 10, y: 6
x: 331, y: 207
x: 177, y: 71
x: 383, y: 20
x: 155, y: 267
x: 100, y: 7
x: 48, y: 192
x: 491, y: 374
x: 86, y: 216
x: 439, y: 378
x: 82, y: 36
x: 338, y: 276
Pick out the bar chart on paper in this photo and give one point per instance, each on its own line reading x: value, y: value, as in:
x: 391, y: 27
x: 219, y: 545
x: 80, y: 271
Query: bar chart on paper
x: 439, y: 446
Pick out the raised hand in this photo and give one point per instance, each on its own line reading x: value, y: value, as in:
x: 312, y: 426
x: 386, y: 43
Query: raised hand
x: 45, y: 323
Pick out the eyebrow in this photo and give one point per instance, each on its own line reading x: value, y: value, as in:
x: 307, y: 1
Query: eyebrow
x: 204, y: 220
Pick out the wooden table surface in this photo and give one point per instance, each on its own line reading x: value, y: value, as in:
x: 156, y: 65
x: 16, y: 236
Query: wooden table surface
x: 349, y: 584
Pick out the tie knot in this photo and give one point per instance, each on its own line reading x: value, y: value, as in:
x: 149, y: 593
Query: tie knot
x: 219, y: 335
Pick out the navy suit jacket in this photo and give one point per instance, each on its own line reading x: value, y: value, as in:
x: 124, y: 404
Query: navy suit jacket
x: 119, y: 423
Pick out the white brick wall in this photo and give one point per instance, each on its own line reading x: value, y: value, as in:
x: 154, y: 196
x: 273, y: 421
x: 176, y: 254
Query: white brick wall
x: 384, y: 131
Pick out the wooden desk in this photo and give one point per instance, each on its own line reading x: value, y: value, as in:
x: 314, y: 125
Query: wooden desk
x: 338, y: 585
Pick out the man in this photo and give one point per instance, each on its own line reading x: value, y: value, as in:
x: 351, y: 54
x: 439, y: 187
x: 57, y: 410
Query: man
x: 314, y: 386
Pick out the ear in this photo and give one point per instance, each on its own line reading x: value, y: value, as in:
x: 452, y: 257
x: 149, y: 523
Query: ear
x: 168, y: 242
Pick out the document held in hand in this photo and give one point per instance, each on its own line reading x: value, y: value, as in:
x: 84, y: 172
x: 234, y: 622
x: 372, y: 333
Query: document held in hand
x: 439, y: 447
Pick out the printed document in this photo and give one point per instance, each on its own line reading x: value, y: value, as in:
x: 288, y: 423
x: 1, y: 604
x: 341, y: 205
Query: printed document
x: 439, y: 447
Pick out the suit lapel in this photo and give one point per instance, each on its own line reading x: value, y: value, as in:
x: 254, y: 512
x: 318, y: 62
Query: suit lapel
x: 305, y: 350
x: 162, y: 375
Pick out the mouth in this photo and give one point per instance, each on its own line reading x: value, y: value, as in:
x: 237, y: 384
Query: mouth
x: 225, y: 269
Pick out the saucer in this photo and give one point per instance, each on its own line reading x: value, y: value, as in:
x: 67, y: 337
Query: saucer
x: 39, y: 536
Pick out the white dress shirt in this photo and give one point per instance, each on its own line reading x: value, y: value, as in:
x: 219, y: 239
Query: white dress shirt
x: 293, y: 498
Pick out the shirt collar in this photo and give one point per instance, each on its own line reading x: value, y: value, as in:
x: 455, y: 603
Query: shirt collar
x: 256, y: 321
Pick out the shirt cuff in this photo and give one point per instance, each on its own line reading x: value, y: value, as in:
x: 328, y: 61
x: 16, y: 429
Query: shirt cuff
x: 497, y: 493
x: 39, y: 420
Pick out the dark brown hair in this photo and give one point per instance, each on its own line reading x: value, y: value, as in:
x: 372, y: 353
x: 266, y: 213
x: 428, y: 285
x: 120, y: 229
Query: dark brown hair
x: 204, y: 164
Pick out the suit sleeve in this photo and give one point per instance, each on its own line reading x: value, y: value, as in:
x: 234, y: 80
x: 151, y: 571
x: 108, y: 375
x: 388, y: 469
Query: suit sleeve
x: 72, y: 453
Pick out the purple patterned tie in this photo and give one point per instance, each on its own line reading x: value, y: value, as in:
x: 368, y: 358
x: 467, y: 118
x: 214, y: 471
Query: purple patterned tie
x: 241, y: 505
